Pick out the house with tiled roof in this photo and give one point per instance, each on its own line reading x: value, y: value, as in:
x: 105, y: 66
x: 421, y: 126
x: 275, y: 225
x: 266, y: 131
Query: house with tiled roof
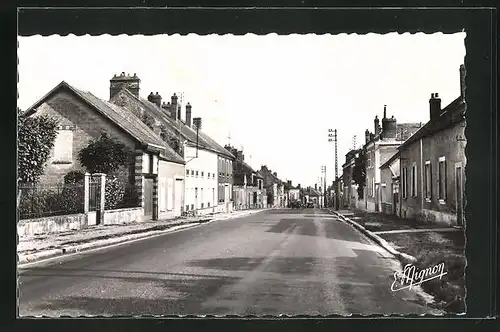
x: 432, y: 165
x: 313, y: 195
x: 274, y: 187
x: 83, y: 117
x: 248, y: 185
x: 379, y: 147
x: 350, y: 193
x: 208, y: 171
x: 292, y: 193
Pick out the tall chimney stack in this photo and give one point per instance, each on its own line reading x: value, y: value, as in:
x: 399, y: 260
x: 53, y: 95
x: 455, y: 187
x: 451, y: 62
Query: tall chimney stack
x: 155, y: 99
x: 367, y: 136
x: 173, y: 107
x: 377, y: 125
x: 188, y: 115
x: 462, y: 82
x: 130, y: 82
x: 435, y: 106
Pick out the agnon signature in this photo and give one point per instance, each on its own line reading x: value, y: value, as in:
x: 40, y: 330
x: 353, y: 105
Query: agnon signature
x: 410, y: 276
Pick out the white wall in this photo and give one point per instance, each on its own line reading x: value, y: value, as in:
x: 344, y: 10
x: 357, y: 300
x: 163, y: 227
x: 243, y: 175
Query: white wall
x: 205, y: 181
x: 169, y: 199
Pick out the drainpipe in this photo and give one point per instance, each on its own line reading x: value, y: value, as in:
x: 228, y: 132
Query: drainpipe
x: 421, y: 176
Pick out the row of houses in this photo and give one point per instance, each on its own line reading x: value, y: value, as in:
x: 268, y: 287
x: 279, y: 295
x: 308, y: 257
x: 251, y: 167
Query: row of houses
x: 175, y: 167
x: 414, y: 170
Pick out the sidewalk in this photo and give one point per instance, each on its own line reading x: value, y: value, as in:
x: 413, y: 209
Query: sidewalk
x: 425, y: 246
x: 35, y: 248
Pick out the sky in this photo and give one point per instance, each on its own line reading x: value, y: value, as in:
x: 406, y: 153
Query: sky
x: 273, y: 96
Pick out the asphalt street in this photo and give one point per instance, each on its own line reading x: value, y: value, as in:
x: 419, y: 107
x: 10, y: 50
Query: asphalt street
x: 293, y: 262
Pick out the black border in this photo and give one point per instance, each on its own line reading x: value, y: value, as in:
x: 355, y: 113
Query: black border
x: 482, y: 123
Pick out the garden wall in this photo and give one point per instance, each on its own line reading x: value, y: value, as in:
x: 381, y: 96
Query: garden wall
x: 49, y: 225
x: 123, y: 216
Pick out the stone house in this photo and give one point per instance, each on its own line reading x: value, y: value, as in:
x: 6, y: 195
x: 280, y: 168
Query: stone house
x: 389, y: 185
x: 350, y: 193
x: 248, y: 192
x: 274, y: 188
x: 313, y: 195
x: 208, y: 178
x: 83, y: 117
x: 433, y: 164
x: 379, y: 147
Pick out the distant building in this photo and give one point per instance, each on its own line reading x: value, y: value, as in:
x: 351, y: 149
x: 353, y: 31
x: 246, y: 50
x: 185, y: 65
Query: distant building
x: 379, y: 147
x: 248, y: 185
x: 274, y: 188
x: 350, y: 193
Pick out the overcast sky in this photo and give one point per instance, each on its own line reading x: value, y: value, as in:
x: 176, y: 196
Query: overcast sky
x: 275, y: 95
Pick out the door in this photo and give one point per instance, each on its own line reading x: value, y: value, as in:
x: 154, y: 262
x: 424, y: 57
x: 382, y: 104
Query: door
x: 178, y: 193
x: 148, y: 197
x: 459, y: 195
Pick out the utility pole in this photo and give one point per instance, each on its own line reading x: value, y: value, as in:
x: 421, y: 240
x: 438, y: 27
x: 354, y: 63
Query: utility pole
x: 332, y: 137
x: 323, y: 184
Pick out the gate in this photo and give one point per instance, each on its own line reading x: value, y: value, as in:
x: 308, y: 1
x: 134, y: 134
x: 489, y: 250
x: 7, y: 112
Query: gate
x: 148, y: 196
x: 95, y: 197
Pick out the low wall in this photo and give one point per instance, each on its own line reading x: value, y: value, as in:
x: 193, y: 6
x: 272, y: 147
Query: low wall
x: 123, y: 216
x: 427, y: 216
x: 49, y: 225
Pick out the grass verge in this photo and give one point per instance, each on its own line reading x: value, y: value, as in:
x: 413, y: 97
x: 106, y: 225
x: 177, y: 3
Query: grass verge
x: 430, y: 249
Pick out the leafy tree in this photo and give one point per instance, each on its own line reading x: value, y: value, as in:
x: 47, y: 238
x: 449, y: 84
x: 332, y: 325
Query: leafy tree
x: 359, y: 172
x: 104, y: 155
x: 36, y: 136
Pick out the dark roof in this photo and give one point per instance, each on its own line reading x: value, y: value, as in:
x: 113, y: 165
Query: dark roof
x: 451, y: 114
x: 390, y: 160
x: 204, y: 141
x: 313, y: 192
x: 124, y: 119
x: 405, y: 130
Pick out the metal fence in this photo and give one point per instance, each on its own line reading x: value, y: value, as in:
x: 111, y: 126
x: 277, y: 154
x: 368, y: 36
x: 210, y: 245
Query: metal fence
x: 94, y: 193
x: 36, y: 201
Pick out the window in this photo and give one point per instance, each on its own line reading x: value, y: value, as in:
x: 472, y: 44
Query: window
x: 192, y: 172
x: 202, y: 174
x: 414, y: 180
x: 196, y: 173
x: 63, y: 147
x: 192, y: 206
x: 187, y: 172
x: 442, y: 179
x: 428, y: 180
x: 187, y: 207
x: 404, y: 183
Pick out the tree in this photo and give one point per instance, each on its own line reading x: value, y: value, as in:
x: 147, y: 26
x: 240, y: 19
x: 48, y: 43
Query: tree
x: 359, y: 172
x: 36, y: 136
x: 104, y: 155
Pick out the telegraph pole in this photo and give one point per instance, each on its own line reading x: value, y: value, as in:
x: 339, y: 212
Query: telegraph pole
x: 332, y: 137
x: 323, y: 183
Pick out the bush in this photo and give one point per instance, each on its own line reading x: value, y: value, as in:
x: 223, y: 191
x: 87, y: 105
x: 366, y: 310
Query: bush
x: 114, y: 193
x: 104, y: 155
x: 130, y: 197
x: 74, y: 177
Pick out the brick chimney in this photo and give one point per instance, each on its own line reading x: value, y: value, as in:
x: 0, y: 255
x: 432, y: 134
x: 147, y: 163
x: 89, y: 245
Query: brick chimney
x: 188, y: 114
x: 118, y: 82
x: 197, y: 123
x: 275, y: 174
x: 315, y: 186
x: 173, y: 107
x: 239, y: 155
x: 289, y: 182
x: 179, y: 108
x: 435, y: 106
x: 155, y: 99
x: 462, y: 81
x: 367, y: 136
x: 377, y: 125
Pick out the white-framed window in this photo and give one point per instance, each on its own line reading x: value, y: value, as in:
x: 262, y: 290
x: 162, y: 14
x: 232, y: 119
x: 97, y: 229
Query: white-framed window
x: 413, y: 183
x: 442, y: 178
x: 187, y: 172
x: 428, y: 180
x: 63, y: 147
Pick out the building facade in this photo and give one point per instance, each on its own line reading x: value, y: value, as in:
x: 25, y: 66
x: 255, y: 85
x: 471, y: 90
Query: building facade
x: 83, y: 117
x: 201, y: 154
x: 350, y: 193
x: 275, y: 188
x: 379, y: 147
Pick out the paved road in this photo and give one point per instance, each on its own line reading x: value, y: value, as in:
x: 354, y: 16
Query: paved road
x: 274, y: 262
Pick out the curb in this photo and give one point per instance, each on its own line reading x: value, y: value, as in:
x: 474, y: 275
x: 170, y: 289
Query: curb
x: 404, y: 258
x: 46, y: 254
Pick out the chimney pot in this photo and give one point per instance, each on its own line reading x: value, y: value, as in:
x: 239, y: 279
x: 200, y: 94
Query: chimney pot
x: 435, y: 106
